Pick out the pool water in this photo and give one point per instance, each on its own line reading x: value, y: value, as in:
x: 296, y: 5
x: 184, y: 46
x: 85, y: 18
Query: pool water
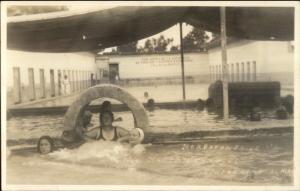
x: 261, y: 160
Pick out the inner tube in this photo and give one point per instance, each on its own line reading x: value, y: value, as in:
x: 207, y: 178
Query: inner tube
x: 73, y: 119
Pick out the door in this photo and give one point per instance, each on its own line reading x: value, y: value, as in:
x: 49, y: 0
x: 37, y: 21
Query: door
x: 113, y: 72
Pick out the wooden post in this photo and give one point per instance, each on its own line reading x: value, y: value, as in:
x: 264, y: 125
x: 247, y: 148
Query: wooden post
x: 17, y: 85
x: 182, y: 62
x: 224, y: 63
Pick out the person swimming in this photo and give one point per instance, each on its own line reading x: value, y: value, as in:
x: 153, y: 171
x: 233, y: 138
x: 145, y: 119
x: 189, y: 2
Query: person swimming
x: 106, y: 107
x: 106, y: 131
x: 45, y: 145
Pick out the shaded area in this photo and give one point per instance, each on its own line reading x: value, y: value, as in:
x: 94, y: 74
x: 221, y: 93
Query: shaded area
x: 61, y: 32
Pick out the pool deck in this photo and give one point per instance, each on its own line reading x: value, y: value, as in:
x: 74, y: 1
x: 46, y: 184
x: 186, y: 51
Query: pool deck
x: 165, y: 96
x: 59, y: 105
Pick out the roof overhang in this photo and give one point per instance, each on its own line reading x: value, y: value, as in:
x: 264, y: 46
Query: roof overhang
x: 65, y: 32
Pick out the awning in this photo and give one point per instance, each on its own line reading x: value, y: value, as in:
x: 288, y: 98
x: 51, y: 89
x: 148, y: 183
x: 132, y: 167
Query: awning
x: 64, y: 32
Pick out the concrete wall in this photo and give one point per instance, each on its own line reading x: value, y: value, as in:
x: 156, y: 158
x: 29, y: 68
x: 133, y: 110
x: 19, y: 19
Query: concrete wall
x: 274, y: 61
x: 159, y: 65
x: 78, y: 67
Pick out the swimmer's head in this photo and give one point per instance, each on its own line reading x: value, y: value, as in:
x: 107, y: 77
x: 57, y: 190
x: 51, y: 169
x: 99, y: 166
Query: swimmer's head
x: 106, y: 106
x: 45, y: 145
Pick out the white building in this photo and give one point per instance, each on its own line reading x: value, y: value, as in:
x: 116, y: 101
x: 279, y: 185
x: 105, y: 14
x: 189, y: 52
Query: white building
x: 156, y: 67
x: 247, y: 61
x: 255, y: 61
x: 33, y: 76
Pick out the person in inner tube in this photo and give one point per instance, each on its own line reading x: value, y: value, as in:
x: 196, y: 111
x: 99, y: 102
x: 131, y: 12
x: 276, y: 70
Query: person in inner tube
x: 108, y: 132
x: 106, y: 107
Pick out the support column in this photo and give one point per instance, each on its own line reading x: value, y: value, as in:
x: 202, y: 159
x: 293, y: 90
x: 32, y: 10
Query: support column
x: 17, y: 85
x: 224, y: 63
x: 32, y: 94
x: 52, y: 83
x: 182, y: 62
x: 248, y: 72
x: 42, y: 83
x: 254, y: 71
x: 73, y: 81
x: 232, y: 72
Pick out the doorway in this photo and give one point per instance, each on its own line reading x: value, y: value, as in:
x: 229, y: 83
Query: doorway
x: 113, y: 72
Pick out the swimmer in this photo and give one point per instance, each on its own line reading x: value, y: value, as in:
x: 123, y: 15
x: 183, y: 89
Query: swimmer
x: 146, y: 97
x: 106, y: 107
x: 106, y: 131
x: 45, y: 145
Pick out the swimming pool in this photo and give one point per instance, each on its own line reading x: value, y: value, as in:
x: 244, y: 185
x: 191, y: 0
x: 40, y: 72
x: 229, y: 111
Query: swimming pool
x: 252, y: 160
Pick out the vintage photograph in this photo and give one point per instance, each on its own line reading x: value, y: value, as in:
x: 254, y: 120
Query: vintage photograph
x: 148, y: 94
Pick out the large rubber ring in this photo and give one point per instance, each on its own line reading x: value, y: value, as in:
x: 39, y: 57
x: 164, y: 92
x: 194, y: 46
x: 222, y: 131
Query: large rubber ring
x: 73, y: 117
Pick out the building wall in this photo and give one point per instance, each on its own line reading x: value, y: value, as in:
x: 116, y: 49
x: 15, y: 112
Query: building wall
x: 274, y: 61
x: 77, y: 66
x: 159, y: 65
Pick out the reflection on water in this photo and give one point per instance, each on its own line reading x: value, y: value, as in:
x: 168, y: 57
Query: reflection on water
x: 259, y: 161
x: 175, y: 121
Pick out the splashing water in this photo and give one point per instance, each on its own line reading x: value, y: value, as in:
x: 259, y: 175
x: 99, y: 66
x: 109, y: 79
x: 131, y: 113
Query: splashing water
x: 101, y: 153
x: 265, y: 159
